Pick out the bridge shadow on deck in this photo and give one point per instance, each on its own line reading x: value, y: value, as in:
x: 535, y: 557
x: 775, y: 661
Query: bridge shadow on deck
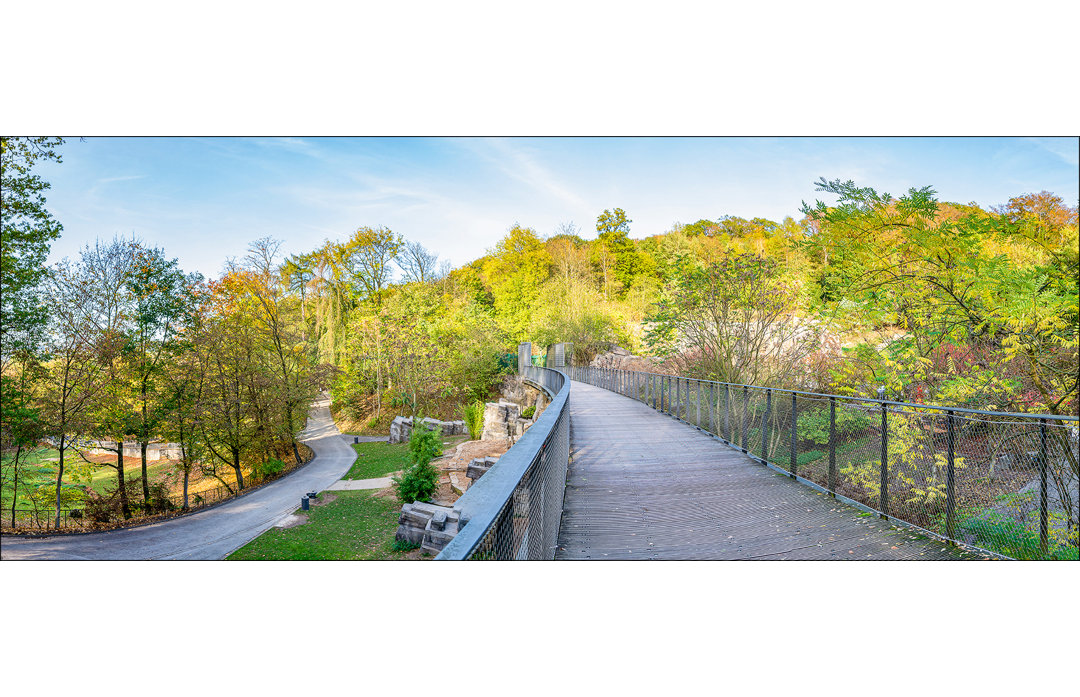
x: 645, y: 486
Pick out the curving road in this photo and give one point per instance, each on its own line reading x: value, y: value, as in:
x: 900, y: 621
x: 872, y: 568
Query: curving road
x: 213, y: 533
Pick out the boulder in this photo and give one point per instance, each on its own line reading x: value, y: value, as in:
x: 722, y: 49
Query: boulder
x: 427, y: 524
x: 499, y: 420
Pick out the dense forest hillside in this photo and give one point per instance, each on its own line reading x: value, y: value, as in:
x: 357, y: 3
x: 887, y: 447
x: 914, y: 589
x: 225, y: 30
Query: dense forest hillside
x: 936, y: 302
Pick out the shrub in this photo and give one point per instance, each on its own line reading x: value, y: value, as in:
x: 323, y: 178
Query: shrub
x: 814, y: 425
x: 474, y: 419
x: 405, y: 545
x: 528, y: 412
x: 270, y: 468
x: 417, y: 483
x: 160, y: 502
x: 421, y: 480
x: 100, y: 509
x: 425, y: 444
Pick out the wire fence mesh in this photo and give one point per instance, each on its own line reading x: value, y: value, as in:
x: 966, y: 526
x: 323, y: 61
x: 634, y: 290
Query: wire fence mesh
x: 1004, y: 483
x: 513, y: 512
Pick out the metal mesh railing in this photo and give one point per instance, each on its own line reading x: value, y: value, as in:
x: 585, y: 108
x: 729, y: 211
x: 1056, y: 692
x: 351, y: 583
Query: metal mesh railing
x: 1004, y: 483
x: 514, y: 510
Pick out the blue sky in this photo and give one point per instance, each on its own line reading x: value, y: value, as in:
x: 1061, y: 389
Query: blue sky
x: 204, y: 199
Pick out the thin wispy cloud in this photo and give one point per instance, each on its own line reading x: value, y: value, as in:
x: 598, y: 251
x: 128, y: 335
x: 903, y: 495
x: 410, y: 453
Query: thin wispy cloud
x: 1065, y: 148
x: 517, y: 162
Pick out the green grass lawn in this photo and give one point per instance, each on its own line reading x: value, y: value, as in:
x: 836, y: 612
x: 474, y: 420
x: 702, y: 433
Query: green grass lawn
x: 375, y: 460
x: 355, y: 526
x: 378, y: 460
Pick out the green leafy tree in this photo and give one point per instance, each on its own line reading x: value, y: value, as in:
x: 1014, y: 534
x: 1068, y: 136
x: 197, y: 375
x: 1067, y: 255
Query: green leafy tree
x: 613, y: 230
x: 25, y: 233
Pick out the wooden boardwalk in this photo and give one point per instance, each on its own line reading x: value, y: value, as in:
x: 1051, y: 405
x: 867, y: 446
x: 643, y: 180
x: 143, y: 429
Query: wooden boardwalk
x: 645, y: 486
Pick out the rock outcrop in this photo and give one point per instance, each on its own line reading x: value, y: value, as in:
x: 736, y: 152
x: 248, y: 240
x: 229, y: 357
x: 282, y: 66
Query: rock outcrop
x: 621, y: 359
x: 503, y: 421
x: 401, y: 428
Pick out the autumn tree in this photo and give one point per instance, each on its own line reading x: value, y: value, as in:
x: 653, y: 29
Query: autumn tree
x: 156, y: 289
x: 733, y: 321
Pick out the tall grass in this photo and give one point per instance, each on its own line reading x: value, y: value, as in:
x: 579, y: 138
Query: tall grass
x: 474, y: 419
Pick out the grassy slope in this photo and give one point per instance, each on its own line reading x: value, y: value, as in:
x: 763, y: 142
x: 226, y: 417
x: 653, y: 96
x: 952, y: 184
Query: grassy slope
x: 355, y: 526
x: 378, y: 460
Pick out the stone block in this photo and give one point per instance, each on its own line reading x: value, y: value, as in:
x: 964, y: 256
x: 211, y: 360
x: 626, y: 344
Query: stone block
x: 428, y: 525
x: 401, y: 429
x: 479, y: 466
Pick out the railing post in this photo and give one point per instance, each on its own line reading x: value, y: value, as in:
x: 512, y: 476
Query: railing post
x: 714, y: 410
x: 794, y: 434
x: 765, y: 426
x: 1044, y: 462
x: 884, y: 458
x: 727, y: 412
x: 950, y: 477
x: 678, y: 396
x: 745, y: 417
x: 697, y: 392
x: 832, y: 446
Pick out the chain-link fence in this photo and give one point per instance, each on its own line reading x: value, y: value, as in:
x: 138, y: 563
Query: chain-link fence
x: 1005, y: 483
x: 513, y: 511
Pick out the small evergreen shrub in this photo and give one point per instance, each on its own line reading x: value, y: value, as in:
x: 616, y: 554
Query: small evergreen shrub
x: 417, y: 483
x: 420, y: 481
x: 425, y: 444
x: 528, y: 412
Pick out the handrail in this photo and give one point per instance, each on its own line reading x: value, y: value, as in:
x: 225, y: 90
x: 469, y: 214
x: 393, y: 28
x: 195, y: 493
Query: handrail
x: 1005, y: 482
x: 871, y: 400
x: 513, y: 511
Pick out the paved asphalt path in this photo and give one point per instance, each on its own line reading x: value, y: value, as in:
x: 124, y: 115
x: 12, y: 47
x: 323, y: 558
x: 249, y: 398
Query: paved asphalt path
x: 213, y: 533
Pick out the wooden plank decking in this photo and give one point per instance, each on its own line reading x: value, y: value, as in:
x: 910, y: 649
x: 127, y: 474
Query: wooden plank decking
x: 645, y: 486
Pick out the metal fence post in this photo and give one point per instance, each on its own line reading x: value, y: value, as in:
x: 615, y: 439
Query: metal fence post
x: 1043, y: 467
x: 714, y: 410
x: 794, y: 434
x: 950, y: 477
x: 727, y: 412
x: 832, y: 446
x: 745, y: 416
x: 697, y: 391
x: 884, y: 458
x: 678, y: 396
x: 765, y: 426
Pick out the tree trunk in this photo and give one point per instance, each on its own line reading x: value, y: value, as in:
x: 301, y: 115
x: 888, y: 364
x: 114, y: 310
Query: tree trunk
x: 59, y: 479
x: 15, y: 485
x: 236, y: 469
x: 143, y: 438
x: 124, y: 507
x: 145, y: 484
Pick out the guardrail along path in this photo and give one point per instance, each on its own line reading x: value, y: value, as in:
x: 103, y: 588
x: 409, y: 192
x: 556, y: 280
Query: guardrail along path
x: 645, y: 486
